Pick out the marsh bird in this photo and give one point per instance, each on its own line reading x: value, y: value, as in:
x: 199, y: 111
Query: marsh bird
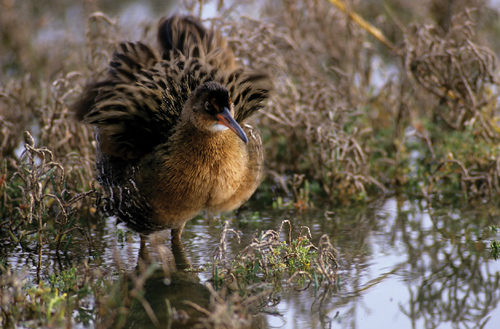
x: 171, y: 133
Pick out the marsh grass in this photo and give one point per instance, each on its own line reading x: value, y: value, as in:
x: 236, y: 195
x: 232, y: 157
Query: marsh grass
x: 353, y: 118
x: 269, y: 259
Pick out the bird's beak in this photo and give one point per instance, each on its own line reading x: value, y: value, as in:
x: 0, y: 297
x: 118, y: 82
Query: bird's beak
x: 226, y: 119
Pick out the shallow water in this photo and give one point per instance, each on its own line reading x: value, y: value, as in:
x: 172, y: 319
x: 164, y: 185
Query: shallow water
x: 400, y: 267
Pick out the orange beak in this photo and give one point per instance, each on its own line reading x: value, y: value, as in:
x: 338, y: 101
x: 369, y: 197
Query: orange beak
x: 226, y: 119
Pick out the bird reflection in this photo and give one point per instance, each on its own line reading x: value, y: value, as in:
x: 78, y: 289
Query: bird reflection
x: 166, y: 290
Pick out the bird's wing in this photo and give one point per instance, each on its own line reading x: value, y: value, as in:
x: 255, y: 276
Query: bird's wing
x: 136, y: 106
x: 249, y: 91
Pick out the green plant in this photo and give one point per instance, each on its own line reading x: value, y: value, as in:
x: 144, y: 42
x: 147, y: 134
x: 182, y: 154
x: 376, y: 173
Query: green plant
x: 495, y: 249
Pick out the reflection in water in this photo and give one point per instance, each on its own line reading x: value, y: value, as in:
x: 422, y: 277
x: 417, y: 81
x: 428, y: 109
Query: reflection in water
x: 166, y: 299
x: 452, y: 280
x: 421, y: 270
x: 166, y: 290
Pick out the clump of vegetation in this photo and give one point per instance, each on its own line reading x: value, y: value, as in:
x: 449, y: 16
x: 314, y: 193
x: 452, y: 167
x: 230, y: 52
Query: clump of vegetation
x: 269, y: 259
x: 458, y: 130
x: 36, y: 204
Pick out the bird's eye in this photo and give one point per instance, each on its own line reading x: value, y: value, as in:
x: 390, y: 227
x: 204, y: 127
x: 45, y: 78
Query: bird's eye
x: 208, y: 107
x: 211, y: 106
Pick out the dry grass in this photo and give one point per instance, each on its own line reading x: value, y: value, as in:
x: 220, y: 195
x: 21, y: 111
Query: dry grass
x: 457, y: 72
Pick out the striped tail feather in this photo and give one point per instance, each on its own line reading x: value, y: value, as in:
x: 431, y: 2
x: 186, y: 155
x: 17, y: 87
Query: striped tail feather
x: 186, y: 35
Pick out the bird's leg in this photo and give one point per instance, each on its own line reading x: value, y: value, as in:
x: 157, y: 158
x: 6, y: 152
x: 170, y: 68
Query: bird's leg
x: 143, y: 250
x: 181, y: 260
x: 176, y: 234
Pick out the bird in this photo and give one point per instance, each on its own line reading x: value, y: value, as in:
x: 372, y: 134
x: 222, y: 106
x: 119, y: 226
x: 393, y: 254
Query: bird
x: 171, y: 128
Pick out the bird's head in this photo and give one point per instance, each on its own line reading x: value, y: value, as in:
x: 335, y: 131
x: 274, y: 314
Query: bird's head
x: 210, y: 109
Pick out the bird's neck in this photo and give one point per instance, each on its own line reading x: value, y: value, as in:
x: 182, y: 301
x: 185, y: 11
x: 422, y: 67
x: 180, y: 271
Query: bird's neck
x: 210, y: 146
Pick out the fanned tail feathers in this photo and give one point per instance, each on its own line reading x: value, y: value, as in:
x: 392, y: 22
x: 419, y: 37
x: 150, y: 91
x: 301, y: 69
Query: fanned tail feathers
x: 186, y: 36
